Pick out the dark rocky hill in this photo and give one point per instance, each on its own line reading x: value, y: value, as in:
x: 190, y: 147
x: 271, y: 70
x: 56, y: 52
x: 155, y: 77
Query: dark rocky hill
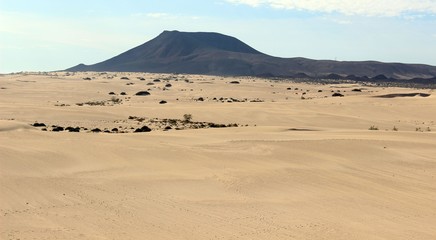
x: 217, y: 54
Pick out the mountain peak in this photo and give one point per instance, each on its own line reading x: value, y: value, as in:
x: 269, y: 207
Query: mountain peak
x: 218, y: 54
x: 175, y: 43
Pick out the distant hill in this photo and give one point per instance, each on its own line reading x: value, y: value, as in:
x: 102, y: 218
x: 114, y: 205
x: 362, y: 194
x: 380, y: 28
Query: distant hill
x: 218, y: 54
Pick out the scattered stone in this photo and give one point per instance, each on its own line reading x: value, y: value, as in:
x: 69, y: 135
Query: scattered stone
x: 216, y: 125
x: 142, y: 93
x: 168, y: 85
x: 72, y: 129
x: 234, y: 82
x: 87, y: 78
x: 143, y: 129
x: 356, y: 90
x: 337, y: 94
x: 162, y: 102
x: 123, y: 93
x: 39, y: 125
x: 156, y: 80
x: 124, y: 78
x: 96, y: 130
x: 111, y: 93
x: 57, y: 129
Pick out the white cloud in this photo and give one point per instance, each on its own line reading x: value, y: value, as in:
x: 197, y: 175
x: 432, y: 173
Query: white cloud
x: 388, y: 8
x: 158, y: 15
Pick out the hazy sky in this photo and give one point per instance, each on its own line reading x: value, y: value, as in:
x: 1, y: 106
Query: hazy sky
x: 45, y: 35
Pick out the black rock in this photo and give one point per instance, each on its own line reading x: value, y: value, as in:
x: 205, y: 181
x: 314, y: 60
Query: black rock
x: 39, y: 125
x: 123, y: 93
x: 57, y: 129
x: 234, y: 82
x: 143, y: 129
x: 337, y: 94
x: 72, y: 129
x: 96, y: 130
x: 216, y: 125
x: 162, y: 102
x: 142, y: 93
x: 111, y: 93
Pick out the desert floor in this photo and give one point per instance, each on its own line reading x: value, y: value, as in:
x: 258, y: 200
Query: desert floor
x: 293, y: 168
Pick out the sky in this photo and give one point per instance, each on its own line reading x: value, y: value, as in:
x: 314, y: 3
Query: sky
x: 49, y: 35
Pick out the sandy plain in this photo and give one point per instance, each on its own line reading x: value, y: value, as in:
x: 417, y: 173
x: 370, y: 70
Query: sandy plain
x: 293, y: 168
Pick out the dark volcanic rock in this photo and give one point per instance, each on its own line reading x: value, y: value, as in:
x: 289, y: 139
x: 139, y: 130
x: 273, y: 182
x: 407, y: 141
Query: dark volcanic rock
x: 72, y: 129
x: 57, y: 129
x: 96, y: 130
x: 143, y: 129
x: 39, y: 125
x: 142, y: 93
x: 336, y: 94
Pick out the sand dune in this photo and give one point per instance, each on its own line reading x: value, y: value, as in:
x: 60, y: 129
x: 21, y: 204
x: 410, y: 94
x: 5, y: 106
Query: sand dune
x: 294, y: 168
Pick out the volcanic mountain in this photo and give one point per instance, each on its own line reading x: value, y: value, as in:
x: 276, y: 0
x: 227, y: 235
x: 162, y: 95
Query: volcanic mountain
x: 218, y: 54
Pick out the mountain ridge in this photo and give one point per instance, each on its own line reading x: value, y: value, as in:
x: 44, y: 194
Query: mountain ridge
x: 217, y: 54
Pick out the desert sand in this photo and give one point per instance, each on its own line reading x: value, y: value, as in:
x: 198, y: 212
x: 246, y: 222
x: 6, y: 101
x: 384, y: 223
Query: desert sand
x: 300, y: 164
